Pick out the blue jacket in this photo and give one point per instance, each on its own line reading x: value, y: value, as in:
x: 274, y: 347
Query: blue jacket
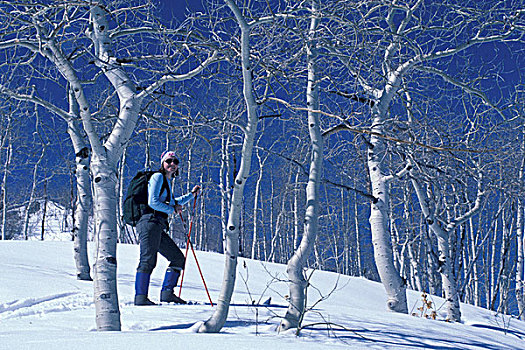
x: 157, y: 201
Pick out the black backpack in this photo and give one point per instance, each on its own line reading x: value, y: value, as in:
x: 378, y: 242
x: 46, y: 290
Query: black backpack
x: 136, y: 202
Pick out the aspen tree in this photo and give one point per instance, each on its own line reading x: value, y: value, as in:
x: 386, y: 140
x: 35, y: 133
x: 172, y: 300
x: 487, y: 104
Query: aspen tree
x: 231, y: 239
x: 40, y: 35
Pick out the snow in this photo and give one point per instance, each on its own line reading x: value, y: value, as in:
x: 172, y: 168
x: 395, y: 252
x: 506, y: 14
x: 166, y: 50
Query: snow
x: 57, y: 224
x: 44, y: 306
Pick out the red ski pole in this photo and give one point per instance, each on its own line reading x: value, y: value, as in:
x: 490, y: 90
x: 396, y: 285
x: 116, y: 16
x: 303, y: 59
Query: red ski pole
x: 186, y: 253
x: 200, y: 272
x: 190, y: 244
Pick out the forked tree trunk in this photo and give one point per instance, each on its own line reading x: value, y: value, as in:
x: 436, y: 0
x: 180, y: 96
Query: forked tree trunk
x: 448, y: 278
x: 445, y: 267
x: 105, y: 155
x: 105, y: 159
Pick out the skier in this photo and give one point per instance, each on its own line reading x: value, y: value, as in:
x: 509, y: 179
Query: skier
x: 153, y: 239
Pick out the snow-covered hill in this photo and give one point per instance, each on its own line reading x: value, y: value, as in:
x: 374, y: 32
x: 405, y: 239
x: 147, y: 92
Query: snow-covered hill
x: 44, y: 306
x: 56, y: 220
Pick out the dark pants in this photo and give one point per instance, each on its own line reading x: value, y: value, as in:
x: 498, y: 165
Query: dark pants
x: 153, y: 239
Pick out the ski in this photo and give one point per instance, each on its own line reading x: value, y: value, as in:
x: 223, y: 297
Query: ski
x: 241, y: 304
x: 206, y: 303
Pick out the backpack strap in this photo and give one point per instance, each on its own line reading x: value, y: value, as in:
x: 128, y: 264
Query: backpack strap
x: 165, y: 186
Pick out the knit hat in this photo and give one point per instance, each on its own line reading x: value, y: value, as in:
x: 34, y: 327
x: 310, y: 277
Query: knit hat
x: 167, y: 155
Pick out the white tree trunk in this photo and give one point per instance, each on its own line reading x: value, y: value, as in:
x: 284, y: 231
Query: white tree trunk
x: 493, y: 280
x: 105, y: 159
x: 358, y: 251
x: 297, y: 264
x: 5, y: 138
x: 31, y: 199
x: 231, y: 244
x: 105, y: 264
x: 445, y: 269
x: 203, y: 231
x: 448, y: 279
x: 415, y: 273
x: 224, y: 183
x: 346, y: 235
x: 104, y: 173
x: 505, y: 264
x: 473, y: 262
x: 83, y: 208
x: 105, y: 156
x: 296, y: 218
x: 269, y: 255
x: 379, y: 218
x: 520, y: 269
x: 84, y: 199
x: 7, y: 163
x: 255, y: 242
x: 520, y: 243
x: 44, y: 212
x: 123, y: 236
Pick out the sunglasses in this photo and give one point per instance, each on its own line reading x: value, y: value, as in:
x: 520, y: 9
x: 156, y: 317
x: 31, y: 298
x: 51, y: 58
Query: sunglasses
x: 174, y: 161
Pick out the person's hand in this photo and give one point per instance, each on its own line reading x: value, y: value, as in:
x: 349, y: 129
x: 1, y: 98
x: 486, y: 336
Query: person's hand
x: 196, y: 190
x: 177, y: 209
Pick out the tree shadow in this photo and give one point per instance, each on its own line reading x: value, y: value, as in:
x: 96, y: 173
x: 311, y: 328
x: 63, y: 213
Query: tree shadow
x: 514, y: 332
x: 396, y: 339
x: 228, y: 324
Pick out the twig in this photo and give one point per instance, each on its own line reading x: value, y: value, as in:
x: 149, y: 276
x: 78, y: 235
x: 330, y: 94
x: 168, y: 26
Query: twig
x: 331, y: 324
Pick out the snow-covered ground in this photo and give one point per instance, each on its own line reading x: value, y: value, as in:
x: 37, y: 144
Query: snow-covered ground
x: 44, y: 306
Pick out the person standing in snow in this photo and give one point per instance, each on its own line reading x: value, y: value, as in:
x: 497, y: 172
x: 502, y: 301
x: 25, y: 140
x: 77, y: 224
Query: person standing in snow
x: 152, y: 230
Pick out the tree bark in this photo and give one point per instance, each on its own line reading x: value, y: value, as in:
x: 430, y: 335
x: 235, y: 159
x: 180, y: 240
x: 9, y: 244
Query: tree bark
x: 31, y: 199
x: 255, y: 235
x: 379, y: 217
x: 297, y: 264
x: 105, y: 159
x: 520, y: 241
x: 224, y: 184
x: 7, y: 163
x: 84, y: 198
x: 231, y: 244
x: 105, y: 265
x: 105, y: 153
x: 448, y: 278
x: 44, y: 211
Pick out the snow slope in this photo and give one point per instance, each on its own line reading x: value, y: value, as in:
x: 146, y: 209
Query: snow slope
x: 44, y: 306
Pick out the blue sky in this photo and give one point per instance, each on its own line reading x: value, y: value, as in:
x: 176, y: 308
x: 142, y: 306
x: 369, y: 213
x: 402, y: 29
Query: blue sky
x: 178, y: 7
